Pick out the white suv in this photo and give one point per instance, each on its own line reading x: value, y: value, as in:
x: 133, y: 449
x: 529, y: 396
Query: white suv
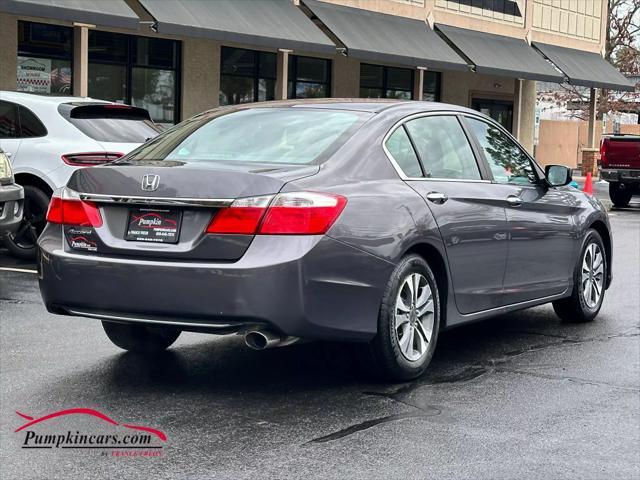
x: 47, y: 138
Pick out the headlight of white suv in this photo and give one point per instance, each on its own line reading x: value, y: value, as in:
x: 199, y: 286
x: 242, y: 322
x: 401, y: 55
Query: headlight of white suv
x: 5, y: 169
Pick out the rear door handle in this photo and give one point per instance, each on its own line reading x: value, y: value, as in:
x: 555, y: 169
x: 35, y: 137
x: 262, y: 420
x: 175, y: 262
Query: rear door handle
x: 437, y: 197
x: 514, y: 201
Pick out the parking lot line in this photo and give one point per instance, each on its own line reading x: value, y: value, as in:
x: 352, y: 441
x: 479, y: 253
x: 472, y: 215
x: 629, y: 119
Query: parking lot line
x: 20, y: 270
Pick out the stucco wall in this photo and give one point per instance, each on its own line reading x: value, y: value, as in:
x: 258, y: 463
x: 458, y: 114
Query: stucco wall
x: 557, y: 142
x: 562, y: 141
x: 8, y: 52
x: 200, y: 86
x: 528, y: 115
x: 346, y: 77
x: 460, y: 87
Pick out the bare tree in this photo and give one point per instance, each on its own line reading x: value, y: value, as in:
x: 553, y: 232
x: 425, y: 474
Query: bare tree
x: 622, y: 50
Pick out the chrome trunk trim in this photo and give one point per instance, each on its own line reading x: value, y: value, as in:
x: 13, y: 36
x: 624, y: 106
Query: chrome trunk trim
x: 170, y: 201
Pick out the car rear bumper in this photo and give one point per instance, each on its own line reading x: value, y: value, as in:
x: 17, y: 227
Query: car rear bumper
x: 305, y: 286
x: 11, y: 198
x: 621, y: 175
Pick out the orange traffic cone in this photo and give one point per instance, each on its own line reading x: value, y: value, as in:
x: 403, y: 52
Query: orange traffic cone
x: 588, y: 185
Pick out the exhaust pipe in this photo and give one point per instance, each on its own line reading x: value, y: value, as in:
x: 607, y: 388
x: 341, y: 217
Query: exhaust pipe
x: 263, y: 339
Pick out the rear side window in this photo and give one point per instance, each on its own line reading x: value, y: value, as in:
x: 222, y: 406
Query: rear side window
x: 400, y: 148
x: 30, y: 125
x: 443, y: 148
x: 111, y: 122
x: 9, y: 127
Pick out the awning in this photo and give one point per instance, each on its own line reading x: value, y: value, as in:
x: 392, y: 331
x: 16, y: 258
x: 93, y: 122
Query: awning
x: 267, y: 23
x: 112, y: 13
x: 500, y: 55
x: 380, y: 38
x: 585, y: 68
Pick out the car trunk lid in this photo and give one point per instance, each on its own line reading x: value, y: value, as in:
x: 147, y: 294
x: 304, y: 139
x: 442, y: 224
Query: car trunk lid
x: 162, y: 209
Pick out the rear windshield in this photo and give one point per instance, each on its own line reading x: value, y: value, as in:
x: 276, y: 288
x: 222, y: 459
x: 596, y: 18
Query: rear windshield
x: 111, y: 123
x: 263, y: 135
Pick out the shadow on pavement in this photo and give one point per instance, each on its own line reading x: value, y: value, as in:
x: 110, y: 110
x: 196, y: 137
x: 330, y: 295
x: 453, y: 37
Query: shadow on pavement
x: 224, y: 364
x: 7, y: 261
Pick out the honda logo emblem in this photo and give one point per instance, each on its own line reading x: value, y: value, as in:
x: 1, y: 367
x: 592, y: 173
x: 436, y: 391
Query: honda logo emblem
x: 150, y: 183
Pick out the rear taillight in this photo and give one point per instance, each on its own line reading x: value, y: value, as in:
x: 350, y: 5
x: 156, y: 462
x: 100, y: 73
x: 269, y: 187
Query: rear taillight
x: 241, y: 217
x: 73, y: 212
x: 296, y: 213
x: 89, y: 159
x: 604, y: 146
x: 302, y: 213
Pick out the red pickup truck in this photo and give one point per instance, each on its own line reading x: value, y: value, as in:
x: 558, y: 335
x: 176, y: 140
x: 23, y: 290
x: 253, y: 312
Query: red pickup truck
x: 620, y: 166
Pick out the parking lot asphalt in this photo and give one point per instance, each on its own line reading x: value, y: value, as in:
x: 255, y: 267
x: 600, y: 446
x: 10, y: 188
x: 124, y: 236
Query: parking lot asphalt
x: 518, y: 396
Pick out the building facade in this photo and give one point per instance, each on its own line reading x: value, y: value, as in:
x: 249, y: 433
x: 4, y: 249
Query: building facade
x: 178, y: 58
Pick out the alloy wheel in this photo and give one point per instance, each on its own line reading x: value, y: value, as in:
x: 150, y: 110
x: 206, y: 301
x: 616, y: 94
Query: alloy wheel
x: 592, y: 275
x: 414, y: 317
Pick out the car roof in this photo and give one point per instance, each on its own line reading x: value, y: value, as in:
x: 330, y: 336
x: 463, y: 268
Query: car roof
x: 351, y: 104
x: 28, y: 99
x: 377, y: 106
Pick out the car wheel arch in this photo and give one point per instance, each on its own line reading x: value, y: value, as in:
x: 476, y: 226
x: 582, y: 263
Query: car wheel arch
x: 600, y: 227
x: 437, y: 263
x: 33, y: 180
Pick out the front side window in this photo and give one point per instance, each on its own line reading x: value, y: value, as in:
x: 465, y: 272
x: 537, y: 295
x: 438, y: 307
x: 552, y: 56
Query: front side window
x: 377, y: 81
x: 309, y: 77
x: 400, y: 148
x: 508, y: 162
x: 443, y: 148
x: 261, y: 135
x: 45, y: 55
x: 139, y: 71
x: 246, y: 76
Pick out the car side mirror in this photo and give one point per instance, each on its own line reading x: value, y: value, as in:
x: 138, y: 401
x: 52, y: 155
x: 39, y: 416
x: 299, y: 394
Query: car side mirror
x: 558, y: 175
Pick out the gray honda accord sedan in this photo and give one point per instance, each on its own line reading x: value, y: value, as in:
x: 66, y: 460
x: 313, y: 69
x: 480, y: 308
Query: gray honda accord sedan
x: 372, y: 222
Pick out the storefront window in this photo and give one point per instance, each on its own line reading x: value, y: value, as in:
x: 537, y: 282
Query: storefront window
x: 309, y: 77
x: 377, y: 81
x: 246, y: 76
x: 431, y: 88
x: 108, y: 82
x: 45, y: 55
x: 154, y: 90
x: 139, y: 71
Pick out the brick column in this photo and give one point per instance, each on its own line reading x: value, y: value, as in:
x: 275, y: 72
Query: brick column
x: 590, y: 157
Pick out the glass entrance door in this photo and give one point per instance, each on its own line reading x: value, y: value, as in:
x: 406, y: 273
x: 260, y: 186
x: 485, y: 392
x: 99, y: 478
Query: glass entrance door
x: 500, y: 110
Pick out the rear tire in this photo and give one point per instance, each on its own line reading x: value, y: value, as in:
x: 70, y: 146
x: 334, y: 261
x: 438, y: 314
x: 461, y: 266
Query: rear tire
x: 583, y: 306
x: 408, y: 323
x: 140, y: 338
x: 620, y: 196
x: 23, y: 243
